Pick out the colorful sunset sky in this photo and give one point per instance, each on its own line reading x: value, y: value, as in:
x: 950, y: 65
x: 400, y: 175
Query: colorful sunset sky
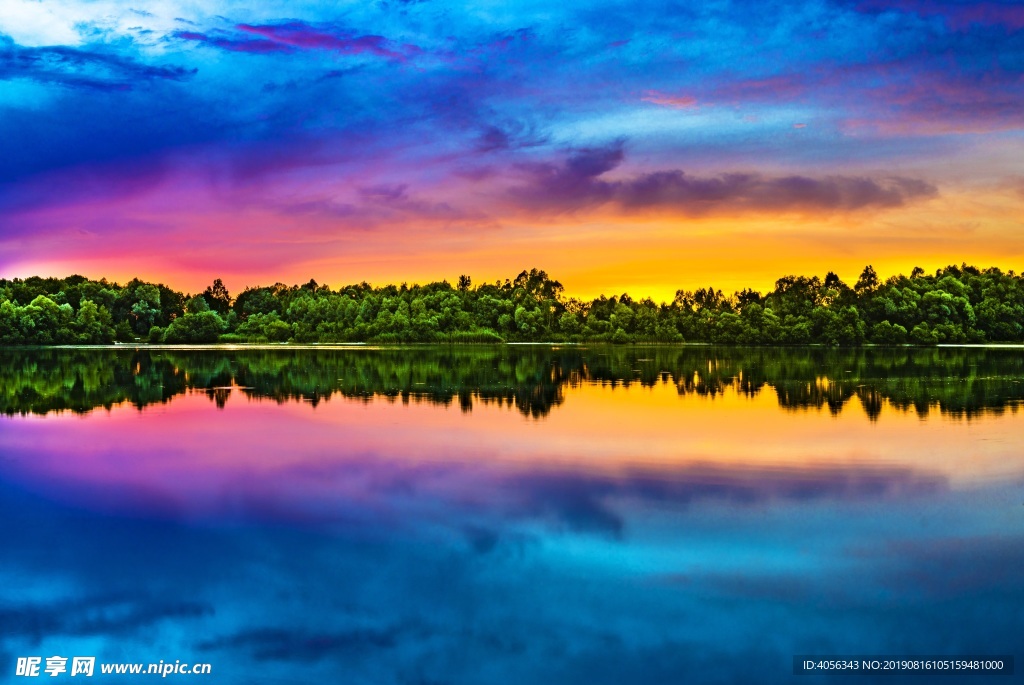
x: 620, y: 146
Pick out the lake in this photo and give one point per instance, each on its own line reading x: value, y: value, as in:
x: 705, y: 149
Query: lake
x: 511, y: 514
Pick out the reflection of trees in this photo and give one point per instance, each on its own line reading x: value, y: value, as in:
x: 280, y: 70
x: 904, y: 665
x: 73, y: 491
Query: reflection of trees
x: 958, y: 381
x: 45, y: 380
x: 529, y: 382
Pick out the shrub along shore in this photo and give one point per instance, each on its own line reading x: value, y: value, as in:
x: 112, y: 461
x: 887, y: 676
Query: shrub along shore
x: 956, y: 304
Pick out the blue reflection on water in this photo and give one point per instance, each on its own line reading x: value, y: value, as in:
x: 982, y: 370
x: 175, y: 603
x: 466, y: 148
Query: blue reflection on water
x: 699, y: 575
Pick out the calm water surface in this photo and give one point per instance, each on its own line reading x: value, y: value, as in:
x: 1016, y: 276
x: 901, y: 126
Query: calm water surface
x: 510, y: 514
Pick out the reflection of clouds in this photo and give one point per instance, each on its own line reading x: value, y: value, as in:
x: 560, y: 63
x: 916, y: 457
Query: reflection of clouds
x: 99, y: 615
x: 759, y: 585
x: 495, y: 588
x: 389, y: 545
x: 298, y: 645
x: 582, y: 501
x: 371, y: 492
x: 948, y: 567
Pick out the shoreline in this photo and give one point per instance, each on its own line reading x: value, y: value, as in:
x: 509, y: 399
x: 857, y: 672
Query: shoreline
x: 393, y: 346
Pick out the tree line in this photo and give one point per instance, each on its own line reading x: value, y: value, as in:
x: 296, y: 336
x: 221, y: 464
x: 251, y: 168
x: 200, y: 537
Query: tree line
x: 956, y: 304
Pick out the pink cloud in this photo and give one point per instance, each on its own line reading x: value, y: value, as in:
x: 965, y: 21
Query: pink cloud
x: 770, y: 89
x: 667, y: 100
x: 932, y: 104
x: 957, y: 16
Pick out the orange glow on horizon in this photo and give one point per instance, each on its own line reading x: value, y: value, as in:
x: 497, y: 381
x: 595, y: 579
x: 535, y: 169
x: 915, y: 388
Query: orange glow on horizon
x: 593, y: 253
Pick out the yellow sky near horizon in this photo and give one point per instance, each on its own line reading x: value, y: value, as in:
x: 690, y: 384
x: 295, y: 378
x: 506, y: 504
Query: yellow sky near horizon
x: 593, y: 253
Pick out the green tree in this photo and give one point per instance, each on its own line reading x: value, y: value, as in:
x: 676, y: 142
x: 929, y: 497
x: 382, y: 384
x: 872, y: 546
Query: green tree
x: 200, y: 327
x: 146, y: 310
x: 219, y: 299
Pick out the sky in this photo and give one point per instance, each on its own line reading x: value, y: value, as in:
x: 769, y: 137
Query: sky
x: 618, y: 146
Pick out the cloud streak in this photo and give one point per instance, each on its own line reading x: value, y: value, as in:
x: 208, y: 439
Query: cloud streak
x: 280, y: 644
x: 82, y: 68
x: 578, y: 182
x: 91, y: 616
x: 295, y: 36
x: 959, y: 16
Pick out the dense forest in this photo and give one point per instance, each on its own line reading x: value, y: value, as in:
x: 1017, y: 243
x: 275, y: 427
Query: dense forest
x: 532, y: 379
x: 956, y: 304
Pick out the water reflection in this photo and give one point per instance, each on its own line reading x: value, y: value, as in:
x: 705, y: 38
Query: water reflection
x: 958, y: 381
x: 508, y: 515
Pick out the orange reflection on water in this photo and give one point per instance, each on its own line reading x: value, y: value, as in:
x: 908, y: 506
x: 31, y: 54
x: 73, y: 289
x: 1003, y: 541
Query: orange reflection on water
x: 597, y: 429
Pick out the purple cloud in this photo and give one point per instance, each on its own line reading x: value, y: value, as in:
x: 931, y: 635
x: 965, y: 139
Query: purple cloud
x: 395, y: 198
x: 300, y: 35
x: 586, y: 502
x: 577, y: 183
x: 295, y: 36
